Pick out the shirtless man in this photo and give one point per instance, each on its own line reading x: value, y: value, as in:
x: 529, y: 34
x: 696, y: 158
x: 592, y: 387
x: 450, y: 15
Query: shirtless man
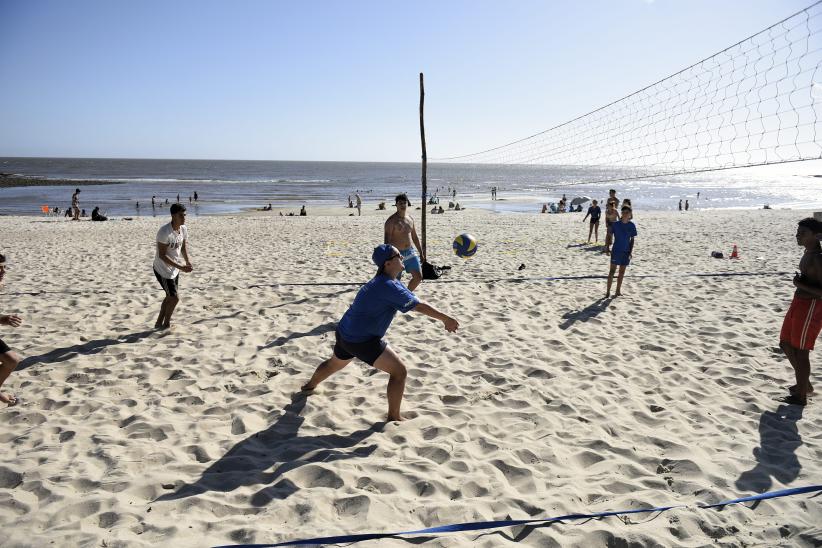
x: 612, y: 199
x: 359, y: 203
x: 75, y: 204
x: 400, y: 232
x: 804, y: 318
x: 8, y: 359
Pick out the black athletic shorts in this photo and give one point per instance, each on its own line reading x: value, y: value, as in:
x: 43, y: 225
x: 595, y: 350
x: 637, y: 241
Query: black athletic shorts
x: 368, y: 351
x: 4, y: 347
x: 594, y: 221
x: 169, y: 285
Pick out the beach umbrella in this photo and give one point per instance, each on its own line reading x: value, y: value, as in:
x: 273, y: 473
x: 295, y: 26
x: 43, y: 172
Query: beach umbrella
x: 580, y: 200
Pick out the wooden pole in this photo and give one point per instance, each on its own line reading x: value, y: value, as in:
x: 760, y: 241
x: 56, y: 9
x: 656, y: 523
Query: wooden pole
x: 424, y: 166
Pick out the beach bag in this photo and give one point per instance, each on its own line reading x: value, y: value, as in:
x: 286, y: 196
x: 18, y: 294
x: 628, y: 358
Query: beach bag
x: 429, y: 271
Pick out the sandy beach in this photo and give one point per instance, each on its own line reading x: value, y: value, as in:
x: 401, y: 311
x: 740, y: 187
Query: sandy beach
x: 548, y: 400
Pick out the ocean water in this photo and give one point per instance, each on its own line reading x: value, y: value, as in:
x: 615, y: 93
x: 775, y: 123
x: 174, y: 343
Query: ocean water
x: 227, y: 186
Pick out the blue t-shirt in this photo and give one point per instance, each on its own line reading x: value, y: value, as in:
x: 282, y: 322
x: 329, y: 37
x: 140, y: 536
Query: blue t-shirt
x: 622, y: 236
x: 594, y: 212
x: 374, y: 307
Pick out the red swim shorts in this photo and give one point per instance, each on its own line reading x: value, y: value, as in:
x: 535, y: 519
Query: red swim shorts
x: 802, y: 323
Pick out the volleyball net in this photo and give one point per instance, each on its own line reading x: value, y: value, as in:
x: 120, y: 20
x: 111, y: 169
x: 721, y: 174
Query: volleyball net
x: 754, y: 103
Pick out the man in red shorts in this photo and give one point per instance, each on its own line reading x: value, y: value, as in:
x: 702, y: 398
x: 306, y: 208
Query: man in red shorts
x: 804, y: 318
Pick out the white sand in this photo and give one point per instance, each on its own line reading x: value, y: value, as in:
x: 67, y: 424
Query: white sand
x: 547, y: 401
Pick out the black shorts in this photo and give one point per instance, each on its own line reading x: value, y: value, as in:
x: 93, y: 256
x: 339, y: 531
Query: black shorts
x: 4, y: 347
x: 594, y: 221
x: 169, y: 285
x: 368, y: 351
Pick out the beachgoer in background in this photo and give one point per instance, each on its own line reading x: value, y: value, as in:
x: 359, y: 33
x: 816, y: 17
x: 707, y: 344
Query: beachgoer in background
x: 83, y: 213
x: 611, y: 217
x: 686, y: 205
x: 359, y: 204
x: 350, y: 203
x: 195, y: 196
x: 544, y: 208
x: 152, y: 201
x: 680, y: 205
x: 441, y: 210
x: 75, y: 204
x: 303, y: 212
x: 803, y: 321
x: 612, y: 199
x: 401, y: 233
x: 360, y: 332
x: 454, y: 194
x: 68, y: 211
x: 96, y: 216
x: 178, y: 198
x: 138, y: 205
x: 697, y: 196
x: 189, y: 199
x: 595, y: 212
x: 172, y: 250
x: 8, y: 360
x: 624, y: 233
x: 457, y: 207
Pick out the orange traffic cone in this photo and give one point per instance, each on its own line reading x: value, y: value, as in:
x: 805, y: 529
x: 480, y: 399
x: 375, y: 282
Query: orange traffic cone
x: 735, y: 253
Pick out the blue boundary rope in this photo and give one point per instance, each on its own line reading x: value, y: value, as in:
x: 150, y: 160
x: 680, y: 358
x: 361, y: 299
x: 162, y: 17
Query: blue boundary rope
x: 479, y: 525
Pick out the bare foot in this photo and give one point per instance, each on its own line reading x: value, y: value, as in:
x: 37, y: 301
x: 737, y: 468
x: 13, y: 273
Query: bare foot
x: 395, y: 419
x: 793, y: 390
x: 607, y: 295
x: 9, y: 399
x: 617, y: 294
x: 307, y: 387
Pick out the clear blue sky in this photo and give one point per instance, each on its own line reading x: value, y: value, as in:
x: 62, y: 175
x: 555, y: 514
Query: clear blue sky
x: 335, y: 80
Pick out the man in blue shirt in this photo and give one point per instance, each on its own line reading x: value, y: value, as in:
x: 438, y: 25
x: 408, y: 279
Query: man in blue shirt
x: 362, y: 328
x: 624, y: 233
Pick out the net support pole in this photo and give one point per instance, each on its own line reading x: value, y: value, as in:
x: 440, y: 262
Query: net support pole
x: 424, y: 165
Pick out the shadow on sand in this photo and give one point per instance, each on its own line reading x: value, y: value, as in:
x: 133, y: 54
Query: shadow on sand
x: 246, y: 463
x: 591, y: 311
x: 319, y: 330
x: 91, y: 347
x: 776, y: 455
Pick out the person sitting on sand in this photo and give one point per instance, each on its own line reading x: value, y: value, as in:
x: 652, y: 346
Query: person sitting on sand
x: 8, y: 360
x: 172, y: 250
x: 441, y: 210
x: 401, y: 232
x: 594, y: 212
x: 303, y: 212
x: 803, y: 321
x: 360, y: 332
x: 544, y: 208
x: 457, y: 207
x: 96, y: 216
x: 624, y: 233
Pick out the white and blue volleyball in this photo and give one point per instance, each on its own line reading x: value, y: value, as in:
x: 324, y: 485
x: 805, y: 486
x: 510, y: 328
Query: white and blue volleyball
x: 465, y: 246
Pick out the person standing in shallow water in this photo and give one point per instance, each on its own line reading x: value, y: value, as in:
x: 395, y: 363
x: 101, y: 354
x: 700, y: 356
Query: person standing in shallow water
x: 362, y: 328
x: 803, y: 321
x: 172, y: 250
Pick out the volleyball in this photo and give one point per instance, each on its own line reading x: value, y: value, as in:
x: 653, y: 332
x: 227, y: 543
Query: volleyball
x: 465, y: 246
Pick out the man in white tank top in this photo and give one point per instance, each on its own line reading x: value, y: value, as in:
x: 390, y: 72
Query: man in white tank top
x: 170, y: 259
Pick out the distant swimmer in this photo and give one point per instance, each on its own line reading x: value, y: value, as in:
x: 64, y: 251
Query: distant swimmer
x: 624, y: 233
x: 803, y: 321
x: 595, y: 212
x: 362, y: 328
x: 401, y: 232
x: 8, y: 360
x: 172, y: 250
